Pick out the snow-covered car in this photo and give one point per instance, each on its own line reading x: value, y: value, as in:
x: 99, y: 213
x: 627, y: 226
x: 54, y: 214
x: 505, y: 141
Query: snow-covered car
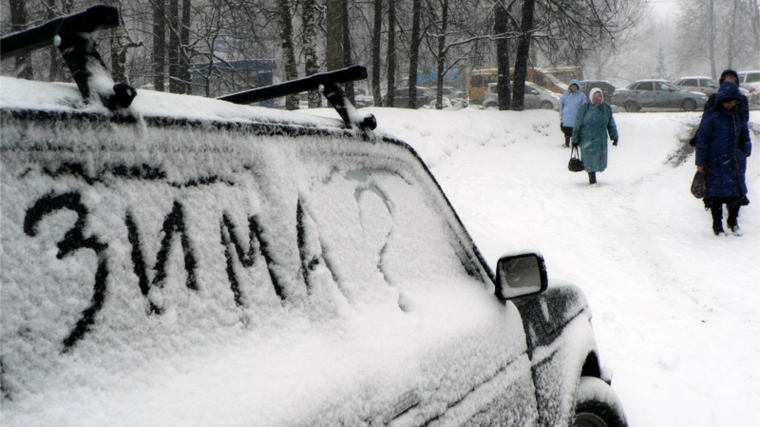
x: 652, y: 93
x: 536, y: 97
x: 608, y: 88
x: 706, y: 85
x: 172, y: 260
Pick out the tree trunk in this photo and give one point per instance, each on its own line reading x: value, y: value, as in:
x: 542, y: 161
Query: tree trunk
x: 523, y: 53
x: 175, y: 84
x: 756, y: 23
x: 55, y: 72
x: 391, y: 52
x: 19, y: 22
x: 732, y: 35
x: 414, y: 54
x: 376, y: 46
x: 288, y: 51
x: 184, y: 53
x: 159, y: 44
x: 711, y: 47
x: 334, y: 34
x: 502, y: 55
x: 349, y: 86
x: 441, y: 54
x: 118, y: 57
x: 309, y: 40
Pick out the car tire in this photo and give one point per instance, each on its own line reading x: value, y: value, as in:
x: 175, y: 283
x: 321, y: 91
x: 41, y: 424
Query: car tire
x: 546, y: 105
x: 689, y: 105
x: 631, y: 106
x: 597, y: 405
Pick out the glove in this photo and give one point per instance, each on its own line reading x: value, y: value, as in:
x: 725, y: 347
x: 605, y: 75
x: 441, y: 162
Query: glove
x: 575, y: 144
x: 614, y: 142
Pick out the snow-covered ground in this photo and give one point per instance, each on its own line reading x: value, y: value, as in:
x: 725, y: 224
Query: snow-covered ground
x: 676, y: 309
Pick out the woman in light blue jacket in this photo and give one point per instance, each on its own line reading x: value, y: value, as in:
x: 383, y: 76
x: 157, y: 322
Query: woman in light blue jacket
x: 572, y: 99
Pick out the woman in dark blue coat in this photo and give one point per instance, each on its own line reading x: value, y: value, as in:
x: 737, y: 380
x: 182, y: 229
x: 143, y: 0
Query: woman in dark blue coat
x: 723, y: 145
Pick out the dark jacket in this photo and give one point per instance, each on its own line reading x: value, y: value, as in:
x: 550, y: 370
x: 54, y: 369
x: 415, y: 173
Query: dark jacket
x: 743, y: 103
x: 723, y: 145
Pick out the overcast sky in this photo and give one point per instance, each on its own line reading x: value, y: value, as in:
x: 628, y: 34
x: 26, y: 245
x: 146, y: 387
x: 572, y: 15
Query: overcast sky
x: 663, y: 7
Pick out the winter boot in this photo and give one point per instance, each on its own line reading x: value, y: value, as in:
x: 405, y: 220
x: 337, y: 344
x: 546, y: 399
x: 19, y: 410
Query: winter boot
x: 592, y: 178
x: 717, y: 217
x: 733, y: 220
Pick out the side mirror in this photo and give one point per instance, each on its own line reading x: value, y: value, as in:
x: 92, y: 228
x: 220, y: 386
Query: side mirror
x: 520, y: 275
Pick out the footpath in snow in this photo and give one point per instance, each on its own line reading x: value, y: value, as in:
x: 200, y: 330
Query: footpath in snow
x: 675, y: 307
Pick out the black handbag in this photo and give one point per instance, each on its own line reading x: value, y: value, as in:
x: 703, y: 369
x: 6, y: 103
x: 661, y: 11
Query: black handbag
x: 575, y: 164
x: 698, y: 185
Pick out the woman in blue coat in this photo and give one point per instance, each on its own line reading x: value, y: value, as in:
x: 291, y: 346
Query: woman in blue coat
x: 571, y: 101
x: 723, y: 145
x: 593, y: 124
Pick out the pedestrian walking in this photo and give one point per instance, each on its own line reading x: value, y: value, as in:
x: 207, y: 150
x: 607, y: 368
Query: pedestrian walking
x: 727, y: 75
x: 723, y: 145
x: 592, y: 125
x: 571, y: 101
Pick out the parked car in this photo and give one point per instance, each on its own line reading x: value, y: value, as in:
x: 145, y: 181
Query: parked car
x: 607, y: 87
x: 172, y: 260
x: 452, y: 92
x: 536, y: 97
x: 706, y: 85
x: 657, y: 94
x: 456, y: 98
x: 401, y: 97
x: 750, y: 80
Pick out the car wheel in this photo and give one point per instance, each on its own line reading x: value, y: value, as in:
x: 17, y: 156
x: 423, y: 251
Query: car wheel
x: 546, y: 105
x: 689, y: 105
x: 631, y: 106
x: 597, y: 405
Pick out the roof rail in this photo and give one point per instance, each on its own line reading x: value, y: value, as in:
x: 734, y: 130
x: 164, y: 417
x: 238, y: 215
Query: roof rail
x: 71, y: 34
x: 331, y: 91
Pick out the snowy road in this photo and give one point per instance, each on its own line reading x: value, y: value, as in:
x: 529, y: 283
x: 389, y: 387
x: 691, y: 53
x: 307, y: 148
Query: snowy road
x: 677, y: 310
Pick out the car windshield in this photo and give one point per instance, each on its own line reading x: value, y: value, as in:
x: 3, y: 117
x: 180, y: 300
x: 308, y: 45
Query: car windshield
x: 537, y: 88
x: 552, y: 78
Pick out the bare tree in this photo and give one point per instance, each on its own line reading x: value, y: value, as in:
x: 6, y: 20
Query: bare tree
x: 185, y: 74
x: 523, y: 50
x: 391, y: 76
x: 501, y: 27
x: 19, y: 22
x: 414, y: 51
x: 309, y: 40
x: 376, y: 48
x: 289, y: 56
x: 348, y: 86
x: 159, y: 44
x: 335, y: 55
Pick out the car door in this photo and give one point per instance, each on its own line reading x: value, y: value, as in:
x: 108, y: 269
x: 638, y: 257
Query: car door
x: 532, y: 98
x: 643, y: 94
x: 661, y: 95
x: 671, y: 95
x: 708, y: 86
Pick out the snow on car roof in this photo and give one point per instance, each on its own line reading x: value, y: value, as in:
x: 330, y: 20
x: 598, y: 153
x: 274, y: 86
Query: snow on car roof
x: 65, y: 97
